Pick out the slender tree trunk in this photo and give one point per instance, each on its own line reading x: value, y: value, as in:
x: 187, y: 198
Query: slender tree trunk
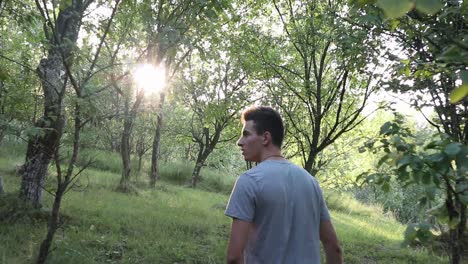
x: 125, y: 147
x: 62, y: 185
x: 2, y: 135
x: 125, y: 153
x: 206, y: 146
x: 310, y: 162
x: 154, y: 174
x: 2, y: 190
x: 52, y: 227
x: 196, y: 173
x: 201, y: 157
x: 140, y: 157
x: 2, y: 110
x: 42, y: 146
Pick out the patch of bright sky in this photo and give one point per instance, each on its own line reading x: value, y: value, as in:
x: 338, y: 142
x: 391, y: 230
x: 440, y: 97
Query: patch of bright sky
x: 95, y: 13
x: 400, y: 102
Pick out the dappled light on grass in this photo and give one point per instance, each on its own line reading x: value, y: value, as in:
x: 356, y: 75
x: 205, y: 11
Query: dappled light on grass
x: 377, y: 229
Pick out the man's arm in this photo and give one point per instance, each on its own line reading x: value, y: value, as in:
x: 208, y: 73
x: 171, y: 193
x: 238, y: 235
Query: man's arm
x: 330, y: 243
x: 238, y: 240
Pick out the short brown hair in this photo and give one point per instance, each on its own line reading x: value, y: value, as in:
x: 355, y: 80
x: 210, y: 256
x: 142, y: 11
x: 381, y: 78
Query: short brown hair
x: 265, y: 119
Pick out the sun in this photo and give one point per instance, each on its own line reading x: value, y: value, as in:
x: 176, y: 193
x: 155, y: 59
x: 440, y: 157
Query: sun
x: 150, y: 78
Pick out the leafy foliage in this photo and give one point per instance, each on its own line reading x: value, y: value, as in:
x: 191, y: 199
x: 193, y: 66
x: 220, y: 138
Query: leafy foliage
x: 439, y: 164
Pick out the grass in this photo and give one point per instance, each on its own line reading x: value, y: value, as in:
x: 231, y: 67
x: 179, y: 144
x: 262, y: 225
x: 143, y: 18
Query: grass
x: 173, y: 224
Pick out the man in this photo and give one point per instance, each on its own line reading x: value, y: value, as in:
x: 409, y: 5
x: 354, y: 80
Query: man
x: 279, y: 214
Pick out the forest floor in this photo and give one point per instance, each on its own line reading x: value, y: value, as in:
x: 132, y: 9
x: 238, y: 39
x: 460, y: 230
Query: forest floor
x: 170, y: 224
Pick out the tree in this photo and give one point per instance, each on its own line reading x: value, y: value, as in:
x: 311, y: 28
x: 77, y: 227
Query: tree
x: 215, y: 90
x: 433, y: 39
x: 128, y: 121
x: 60, y: 59
x: 61, y: 35
x: 438, y: 165
x: 170, y: 26
x: 316, y: 71
x: 19, y: 99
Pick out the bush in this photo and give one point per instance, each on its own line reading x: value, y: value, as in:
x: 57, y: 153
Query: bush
x: 399, y: 201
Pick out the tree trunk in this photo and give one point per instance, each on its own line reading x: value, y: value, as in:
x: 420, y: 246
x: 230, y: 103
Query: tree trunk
x: 42, y: 146
x: 2, y: 190
x: 52, y: 227
x: 154, y: 174
x: 2, y: 135
x: 38, y: 156
x: 125, y: 147
x: 201, y: 158
x: 310, y: 163
x: 196, y: 173
x: 140, y: 157
x: 125, y: 153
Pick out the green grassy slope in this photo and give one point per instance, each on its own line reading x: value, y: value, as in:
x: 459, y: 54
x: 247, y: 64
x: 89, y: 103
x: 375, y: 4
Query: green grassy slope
x: 172, y: 224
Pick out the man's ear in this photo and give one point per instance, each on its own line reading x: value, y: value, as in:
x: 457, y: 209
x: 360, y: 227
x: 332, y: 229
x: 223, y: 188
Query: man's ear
x: 266, y: 138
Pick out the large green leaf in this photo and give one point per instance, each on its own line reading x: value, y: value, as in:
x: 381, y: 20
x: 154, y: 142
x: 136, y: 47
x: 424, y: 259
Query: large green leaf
x: 395, y: 8
x: 459, y: 93
x: 464, y: 199
x: 429, y: 7
x: 450, y: 54
x: 452, y: 149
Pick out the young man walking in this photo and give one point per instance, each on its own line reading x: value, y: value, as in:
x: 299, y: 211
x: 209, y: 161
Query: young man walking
x: 278, y: 211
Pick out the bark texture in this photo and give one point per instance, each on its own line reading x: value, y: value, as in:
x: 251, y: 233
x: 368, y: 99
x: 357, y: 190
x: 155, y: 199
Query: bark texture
x: 52, y: 72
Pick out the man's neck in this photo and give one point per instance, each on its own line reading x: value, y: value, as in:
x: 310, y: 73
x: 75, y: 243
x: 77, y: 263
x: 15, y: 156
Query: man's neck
x: 272, y: 155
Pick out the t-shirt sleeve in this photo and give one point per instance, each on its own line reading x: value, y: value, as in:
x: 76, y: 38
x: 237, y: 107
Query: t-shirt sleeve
x: 241, y: 204
x: 324, y: 214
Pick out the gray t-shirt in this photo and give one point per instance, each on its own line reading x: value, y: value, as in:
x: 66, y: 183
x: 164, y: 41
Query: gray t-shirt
x: 286, y: 206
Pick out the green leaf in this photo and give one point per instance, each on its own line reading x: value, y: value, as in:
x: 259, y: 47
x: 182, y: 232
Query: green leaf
x: 395, y: 9
x: 407, y: 159
x: 452, y: 149
x: 452, y: 53
x: 436, y: 157
x: 3, y: 75
x: 464, y: 199
x: 429, y: 7
x: 459, y: 93
x: 385, y: 128
x: 382, y: 160
x: 454, y: 222
x: 464, y: 76
x: 462, y: 160
x: 461, y: 187
x: 394, y: 23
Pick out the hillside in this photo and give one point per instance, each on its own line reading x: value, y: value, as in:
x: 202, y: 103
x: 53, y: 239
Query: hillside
x: 172, y: 224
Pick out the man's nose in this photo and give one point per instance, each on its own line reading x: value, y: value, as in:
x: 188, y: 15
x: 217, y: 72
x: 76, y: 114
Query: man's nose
x: 239, y: 142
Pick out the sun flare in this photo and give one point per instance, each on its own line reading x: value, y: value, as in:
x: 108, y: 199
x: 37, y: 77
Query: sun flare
x: 150, y: 78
